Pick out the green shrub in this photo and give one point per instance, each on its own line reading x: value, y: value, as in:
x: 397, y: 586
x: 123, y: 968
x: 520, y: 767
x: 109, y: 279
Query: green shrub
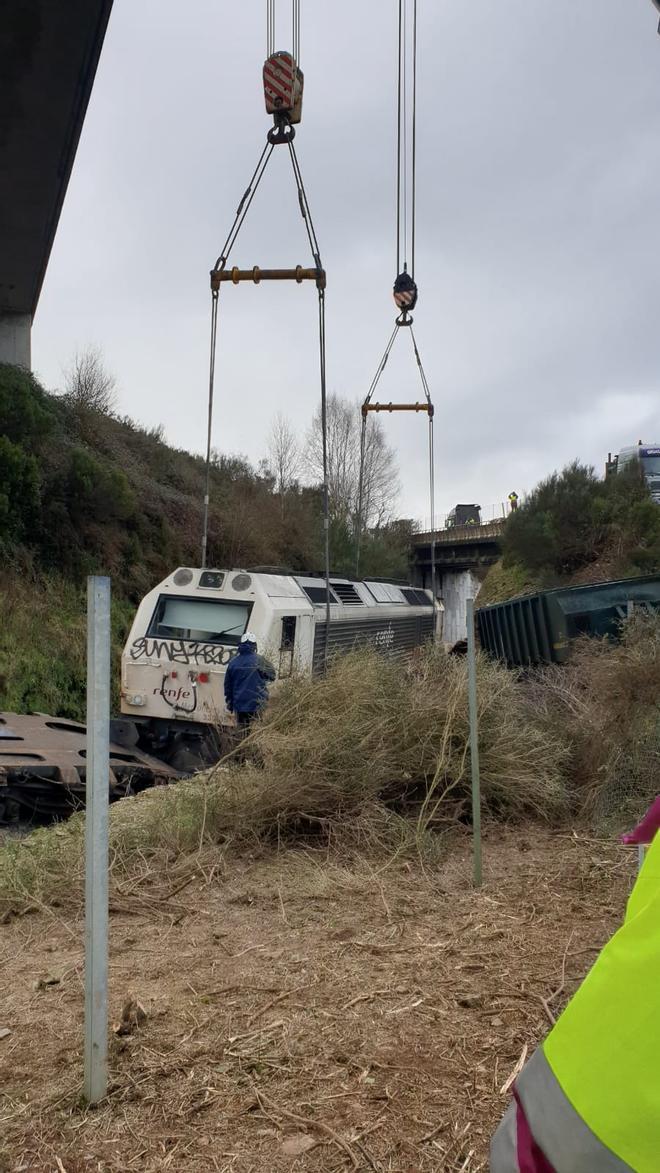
x: 27, y: 414
x: 573, y: 519
x: 19, y: 493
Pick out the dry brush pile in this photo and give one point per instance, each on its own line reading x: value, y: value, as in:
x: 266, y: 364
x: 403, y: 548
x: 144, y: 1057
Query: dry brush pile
x: 373, y: 732
x: 607, y: 702
x: 376, y: 756
x: 375, y: 753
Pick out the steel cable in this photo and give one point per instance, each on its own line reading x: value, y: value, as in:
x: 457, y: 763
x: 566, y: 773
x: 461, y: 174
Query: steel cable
x: 405, y: 144
x: 398, y: 149
x: 306, y: 214
x: 374, y: 383
x: 326, y: 488
x: 407, y: 46
x: 244, y: 205
x: 406, y: 167
x: 427, y: 392
x: 207, y: 492
x: 414, y: 141
x: 304, y: 207
x: 221, y: 263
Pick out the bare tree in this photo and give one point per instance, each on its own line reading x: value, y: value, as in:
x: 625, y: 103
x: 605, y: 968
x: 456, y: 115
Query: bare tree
x: 380, y: 477
x: 284, y: 457
x: 88, y: 384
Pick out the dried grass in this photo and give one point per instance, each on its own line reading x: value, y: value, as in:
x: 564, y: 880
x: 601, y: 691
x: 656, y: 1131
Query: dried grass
x: 372, y: 731
x: 607, y: 703
x: 373, y: 756
x: 367, y: 1012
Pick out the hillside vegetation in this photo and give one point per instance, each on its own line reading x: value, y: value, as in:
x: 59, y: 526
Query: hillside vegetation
x: 575, y: 528
x: 86, y: 492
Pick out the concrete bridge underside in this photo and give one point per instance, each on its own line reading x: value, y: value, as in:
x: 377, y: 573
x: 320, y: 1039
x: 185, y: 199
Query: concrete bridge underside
x: 49, y: 51
x: 462, y: 557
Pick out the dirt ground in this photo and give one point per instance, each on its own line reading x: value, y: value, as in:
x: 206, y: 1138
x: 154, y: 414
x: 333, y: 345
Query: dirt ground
x: 302, y: 1015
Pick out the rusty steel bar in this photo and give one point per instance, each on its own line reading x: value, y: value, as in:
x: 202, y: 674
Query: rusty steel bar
x: 235, y: 275
x: 428, y: 407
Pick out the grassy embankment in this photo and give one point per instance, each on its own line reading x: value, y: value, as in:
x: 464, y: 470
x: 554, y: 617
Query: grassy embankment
x: 43, y: 645
x: 85, y: 492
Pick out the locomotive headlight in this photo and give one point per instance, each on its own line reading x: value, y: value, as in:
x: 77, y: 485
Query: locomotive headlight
x: 135, y: 698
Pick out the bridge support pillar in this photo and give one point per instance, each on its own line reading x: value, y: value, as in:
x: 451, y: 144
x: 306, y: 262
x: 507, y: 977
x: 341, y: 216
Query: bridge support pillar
x: 15, y: 339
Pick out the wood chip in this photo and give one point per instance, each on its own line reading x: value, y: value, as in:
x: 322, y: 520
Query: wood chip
x: 295, y: 1146
x: 510, y: 1080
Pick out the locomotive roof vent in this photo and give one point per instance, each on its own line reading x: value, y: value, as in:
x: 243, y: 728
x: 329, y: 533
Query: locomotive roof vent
x: 347, y: 593
x: 241, y: 581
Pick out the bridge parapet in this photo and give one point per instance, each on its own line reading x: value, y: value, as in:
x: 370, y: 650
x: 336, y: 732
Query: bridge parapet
x: 462, y: 533
x: 457, y: 549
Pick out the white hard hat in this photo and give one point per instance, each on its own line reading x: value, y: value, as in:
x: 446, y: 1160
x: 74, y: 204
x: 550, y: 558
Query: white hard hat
x: 248, y: 638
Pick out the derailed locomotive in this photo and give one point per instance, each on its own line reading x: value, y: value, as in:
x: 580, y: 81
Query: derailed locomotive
x: 188, y: 628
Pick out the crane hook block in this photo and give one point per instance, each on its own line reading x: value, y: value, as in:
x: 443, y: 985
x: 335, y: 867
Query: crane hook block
x: 283, y: 86
x: 405, y: 292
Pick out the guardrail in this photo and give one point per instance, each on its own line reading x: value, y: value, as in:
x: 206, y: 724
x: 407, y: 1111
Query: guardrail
x: 462, y: 533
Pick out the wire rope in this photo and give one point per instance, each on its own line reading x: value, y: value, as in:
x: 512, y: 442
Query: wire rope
x: 406, y: 195
x: 221, y: 263
x: 244, y: 205
x: 404, y: 178
x: 326, y: 488
x: 398, y: 148
x: 363, y: 436
x: 413, y: 191
x: 207, y: 488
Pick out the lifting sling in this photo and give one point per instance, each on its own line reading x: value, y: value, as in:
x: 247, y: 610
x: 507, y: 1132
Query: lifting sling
x: 405, y: 289
x: 283, y: 92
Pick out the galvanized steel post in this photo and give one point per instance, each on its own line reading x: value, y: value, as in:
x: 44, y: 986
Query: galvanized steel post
x: 474, y: 743
x: 96, y: 839
x: 630, y: 611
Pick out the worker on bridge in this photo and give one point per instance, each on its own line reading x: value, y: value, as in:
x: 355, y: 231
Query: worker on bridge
x: 246, y: 681
x: 513, y: 501
x: 588, y: 1101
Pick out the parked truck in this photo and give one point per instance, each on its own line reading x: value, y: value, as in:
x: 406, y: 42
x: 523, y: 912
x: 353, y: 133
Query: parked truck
x: 648, y: 456
x: 464, y: 515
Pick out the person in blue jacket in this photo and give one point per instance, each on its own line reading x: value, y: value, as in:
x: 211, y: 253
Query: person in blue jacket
x: 246, y: 681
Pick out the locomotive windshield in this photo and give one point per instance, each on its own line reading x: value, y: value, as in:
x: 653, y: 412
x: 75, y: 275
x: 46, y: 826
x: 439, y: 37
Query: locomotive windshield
x: 204, y: 620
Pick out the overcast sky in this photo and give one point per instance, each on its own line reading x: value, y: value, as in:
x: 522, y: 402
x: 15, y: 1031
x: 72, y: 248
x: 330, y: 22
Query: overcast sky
x: 538, y: 229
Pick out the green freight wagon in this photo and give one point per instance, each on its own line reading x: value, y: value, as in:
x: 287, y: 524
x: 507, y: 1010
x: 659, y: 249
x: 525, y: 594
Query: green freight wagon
x: 539, y: 629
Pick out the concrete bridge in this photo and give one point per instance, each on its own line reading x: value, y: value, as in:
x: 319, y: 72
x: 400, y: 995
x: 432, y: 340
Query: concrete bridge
x: 49, y: 51
x: 462, y: 557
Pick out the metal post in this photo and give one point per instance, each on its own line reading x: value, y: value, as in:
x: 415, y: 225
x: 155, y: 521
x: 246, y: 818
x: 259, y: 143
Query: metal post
x: 641, y: 851
x: 96, y: 839
x: 474, y: 744
x: 358, y: 520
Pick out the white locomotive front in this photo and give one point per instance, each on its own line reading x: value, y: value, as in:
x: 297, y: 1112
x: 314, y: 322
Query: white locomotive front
x: 188, y: 628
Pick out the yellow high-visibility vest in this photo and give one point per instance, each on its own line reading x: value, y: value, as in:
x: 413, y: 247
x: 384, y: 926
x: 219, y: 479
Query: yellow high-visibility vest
x: 604, y: 1051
